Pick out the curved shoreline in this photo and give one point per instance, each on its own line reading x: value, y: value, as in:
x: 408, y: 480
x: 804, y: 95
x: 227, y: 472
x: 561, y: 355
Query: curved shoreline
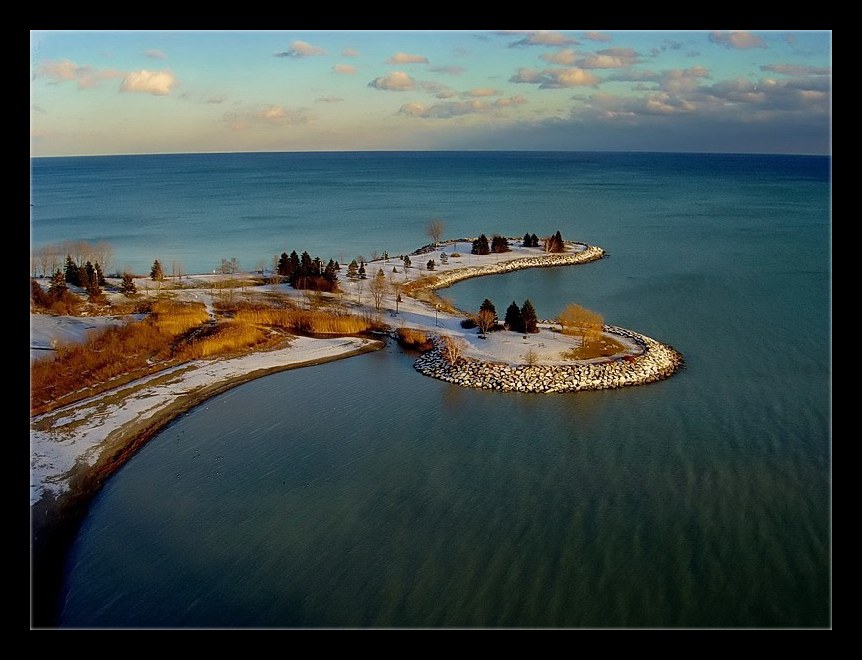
x: 56, y: 516
x: 656, y: 362
x: 447, y: 278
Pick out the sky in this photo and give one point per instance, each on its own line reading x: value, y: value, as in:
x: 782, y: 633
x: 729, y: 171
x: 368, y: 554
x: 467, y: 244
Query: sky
x: 122, y: 92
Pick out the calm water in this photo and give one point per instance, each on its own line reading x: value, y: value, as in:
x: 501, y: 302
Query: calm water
x: 359, y: 493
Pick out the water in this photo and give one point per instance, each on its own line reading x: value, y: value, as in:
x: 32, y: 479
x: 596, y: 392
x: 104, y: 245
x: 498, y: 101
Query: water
x: 359, y: 493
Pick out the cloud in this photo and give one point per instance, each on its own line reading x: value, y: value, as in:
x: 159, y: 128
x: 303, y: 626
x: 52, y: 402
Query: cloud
x: 300, y: 49
x: 344, y: 69
x: 693, y: 53
x: 635, y: 75
x: 597, y: 36
x: 451, y: 109
x: 397, y: 81
x: 610, y: 58
x: 445, y: 94
x: 540, y: 38
x: 406, y: 58
x: 797, y: 69
x: 86, y: 77
x: 329, y: 99
x: 566, y: 57
x: 682, y: 80
x: 738, y: 40
x: 483, y: 91
x: 555, y: 78
x: 350, y: 52
x: 270, y: 115
x: 214, y: 99
x: 451, y: 70
x: 156, y: 54
x: 157, y: 83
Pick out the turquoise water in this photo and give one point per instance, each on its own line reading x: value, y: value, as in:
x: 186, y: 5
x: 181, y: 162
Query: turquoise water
x: 360, y: 493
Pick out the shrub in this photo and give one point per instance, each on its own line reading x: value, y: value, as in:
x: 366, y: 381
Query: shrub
x: 412, y: 338
x: 469, y: 323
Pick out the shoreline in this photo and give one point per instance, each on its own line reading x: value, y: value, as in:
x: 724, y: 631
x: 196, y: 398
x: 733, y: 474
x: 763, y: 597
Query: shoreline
x: 92, y: 438
x: 56, y: 515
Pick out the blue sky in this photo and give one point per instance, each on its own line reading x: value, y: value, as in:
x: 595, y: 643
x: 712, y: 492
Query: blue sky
x: 161, y: 92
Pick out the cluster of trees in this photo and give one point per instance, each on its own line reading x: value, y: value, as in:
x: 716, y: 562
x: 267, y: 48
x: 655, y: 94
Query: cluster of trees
x: 498, y: 244
x: 555, y: 243
x: 521, y: 319
x: 357, y: 271
x: 303, y: 272
x: 530, y: 240
x: 57, y: 298
x: 88, y: 276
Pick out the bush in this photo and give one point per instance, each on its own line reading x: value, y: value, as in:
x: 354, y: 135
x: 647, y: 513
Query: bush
x: 412, y: 338
x: 469, y: 323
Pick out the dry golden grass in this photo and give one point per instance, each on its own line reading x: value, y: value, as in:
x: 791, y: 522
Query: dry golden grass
x: 227, y: 337
x: 174, y: 318
x: 412, y: 338
x: 603, y: 346
x: 306, y: 321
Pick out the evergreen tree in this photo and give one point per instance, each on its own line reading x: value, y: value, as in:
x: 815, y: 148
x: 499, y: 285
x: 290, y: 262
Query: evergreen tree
x: 92, y: 276
x: 37, y: 294
x: 72, y: 273
x: 555, y: 243
x: 499, y: 244
x: 353, y: 270
x: 513, y: 318
x: 430, y: 265
x: 526, y: 242
x: 58, y: 285
x: 534, y: 241
x: 407, y: 262
x: 444, y: 258
x: 480, y: 245
x: 128, y: 286
x: 156, y: 272
x: 487, y: 304
x: 528, y: 317
x: 94, y: 290
x: 361, y: 271
x: 294, y: 262
x: 84, y: 277
x: 284, y: 266
x: 329, y: 273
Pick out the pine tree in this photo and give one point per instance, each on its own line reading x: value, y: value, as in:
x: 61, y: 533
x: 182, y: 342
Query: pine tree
x: 156, y: 272
x: 480, y: 245
x: 361, y: 271
x: 430, y: 265
x: 294, y: 262
x: 526, y: 242
x: 534, y: 241
x: 37, y: 294
x: 407, y: 262
x: 72, y: 272
x: 353, y: 270
x: 284, y: 265
x: 513, y: 319
x: 329, y: 273
x: 528, y: 317
x: 499, y: 244
x: 58, y: 286
x: 128, y: 286
x: 487, y: 304
x: 92, y: 276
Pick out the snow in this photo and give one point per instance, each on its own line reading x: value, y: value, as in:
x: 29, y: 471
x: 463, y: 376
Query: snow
x: 63, y: 437
x: 45, y: 330
x: 77, y: 433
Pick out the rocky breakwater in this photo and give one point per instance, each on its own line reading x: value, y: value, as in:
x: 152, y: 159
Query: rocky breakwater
x: 657, y: 362
x: 577, y: 253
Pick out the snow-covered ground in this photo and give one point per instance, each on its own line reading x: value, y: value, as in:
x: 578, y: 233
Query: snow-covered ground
x: 79, y: 432
x: 47, y: 330
x: 63, y: 437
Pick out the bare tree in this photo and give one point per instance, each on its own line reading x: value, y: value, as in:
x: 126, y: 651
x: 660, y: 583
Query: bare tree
x: 531, y: 358
x: 103, y: 253
x: 581, y: 322
x: 485, y: 319
x: 451, y: 349
x: 396, y: 287
x: 379, y: 287
x: 176, y: 271
x: 360, y: 285
x: 435, y: 230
